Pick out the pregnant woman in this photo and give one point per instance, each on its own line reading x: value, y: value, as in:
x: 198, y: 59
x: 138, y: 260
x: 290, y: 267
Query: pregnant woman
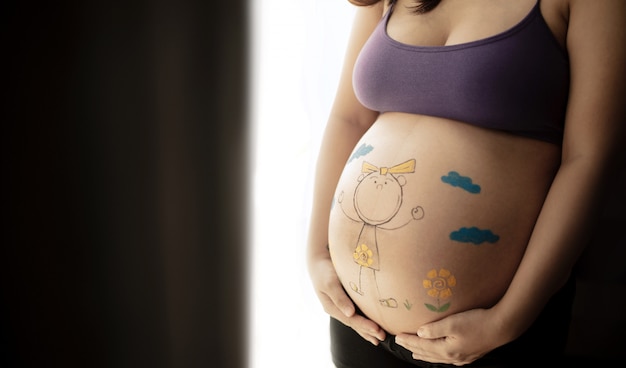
x: 460, y: 173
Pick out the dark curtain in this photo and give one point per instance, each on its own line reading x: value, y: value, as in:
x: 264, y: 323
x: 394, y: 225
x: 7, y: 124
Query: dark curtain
x: 124, y: 165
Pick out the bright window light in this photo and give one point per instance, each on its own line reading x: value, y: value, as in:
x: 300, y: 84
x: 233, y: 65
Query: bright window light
x: 297, y: 52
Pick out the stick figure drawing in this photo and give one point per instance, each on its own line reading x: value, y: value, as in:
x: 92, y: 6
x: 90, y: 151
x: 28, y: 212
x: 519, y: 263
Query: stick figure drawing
x: 377, y: 201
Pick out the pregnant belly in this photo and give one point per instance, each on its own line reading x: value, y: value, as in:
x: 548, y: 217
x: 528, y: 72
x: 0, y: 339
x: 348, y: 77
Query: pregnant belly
x: 432, y: 217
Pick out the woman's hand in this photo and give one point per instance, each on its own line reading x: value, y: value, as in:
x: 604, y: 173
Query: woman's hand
x: 457, y: 339
x: 337, y: 303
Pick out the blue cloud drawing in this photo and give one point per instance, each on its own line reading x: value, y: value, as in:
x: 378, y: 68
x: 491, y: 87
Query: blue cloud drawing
x: 453, y: 178
x: 363, y: 150
x: 474, y: 235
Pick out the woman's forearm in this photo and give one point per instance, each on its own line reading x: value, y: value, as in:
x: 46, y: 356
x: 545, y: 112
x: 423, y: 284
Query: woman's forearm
x: 563, y: 229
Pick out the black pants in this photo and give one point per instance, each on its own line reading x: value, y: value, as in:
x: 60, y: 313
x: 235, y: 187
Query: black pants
x: 541, y: 345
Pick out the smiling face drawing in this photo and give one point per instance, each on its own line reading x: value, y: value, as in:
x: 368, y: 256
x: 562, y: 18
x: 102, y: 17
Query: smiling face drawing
x: 378, y: 197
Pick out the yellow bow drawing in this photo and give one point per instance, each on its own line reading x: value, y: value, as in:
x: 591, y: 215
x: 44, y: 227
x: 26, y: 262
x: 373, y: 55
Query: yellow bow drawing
x: 403, y: 168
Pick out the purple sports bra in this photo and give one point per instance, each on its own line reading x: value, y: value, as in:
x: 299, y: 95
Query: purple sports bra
x: 516, y: 81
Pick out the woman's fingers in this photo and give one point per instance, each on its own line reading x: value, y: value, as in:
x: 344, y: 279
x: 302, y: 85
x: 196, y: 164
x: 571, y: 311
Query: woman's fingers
x: 338, y: 304
x: 366, y: 327
x: 341, y: 300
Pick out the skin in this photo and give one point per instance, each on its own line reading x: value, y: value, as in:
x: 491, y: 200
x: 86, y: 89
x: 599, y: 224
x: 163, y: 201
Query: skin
x: 511, y: 170
x: 594, y: 36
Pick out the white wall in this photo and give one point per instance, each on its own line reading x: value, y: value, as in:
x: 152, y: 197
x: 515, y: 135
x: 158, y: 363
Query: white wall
x: 297, y: 52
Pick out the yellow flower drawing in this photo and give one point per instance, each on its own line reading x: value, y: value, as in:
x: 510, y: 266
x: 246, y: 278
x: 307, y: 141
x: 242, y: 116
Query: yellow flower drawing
x: 439, y: 285
x: 363, y: 256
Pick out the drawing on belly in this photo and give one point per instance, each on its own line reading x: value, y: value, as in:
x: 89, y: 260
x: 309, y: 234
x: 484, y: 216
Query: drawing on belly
x: 363, y: 150
x: 474, y: 235
x: 456, y: 180
x: 407, y: 304
x: 439, y: 285
x: 377, y: 201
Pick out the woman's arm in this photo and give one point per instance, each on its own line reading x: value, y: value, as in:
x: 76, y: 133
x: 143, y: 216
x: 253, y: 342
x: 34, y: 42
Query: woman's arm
x: 347, y: 122
x: 593, y: 145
